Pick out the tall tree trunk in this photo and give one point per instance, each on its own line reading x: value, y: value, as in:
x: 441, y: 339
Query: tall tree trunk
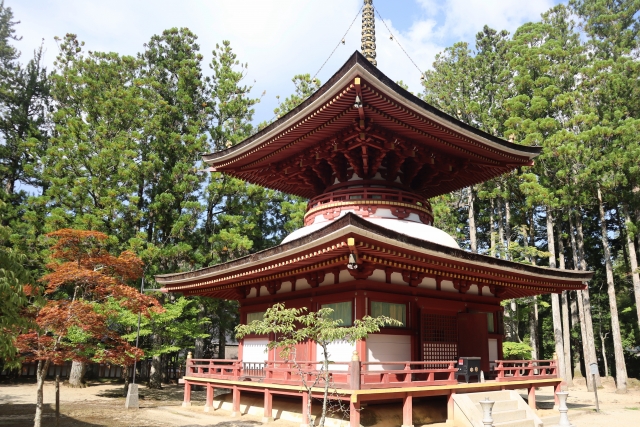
x: 566, y: 328
x: 566, y: 339
x: 222, y: 341
x: 575, y: 320
x: 76, y: 376
x: 633, y: 261
x: 618, y: 351
x: 533, y: 328
x: 473, y: 239
x: 41, y: 374
x: 492, y: 228
x: 604, y: 353
x: 500, y: 230
x: 555, y: 301
x: 586, y: 300
x: 532, y: 236
x: 507, y: 227
x: 126, y: 372
x: 578, y: 308
x: 155, y: 376
x: 198, y: 351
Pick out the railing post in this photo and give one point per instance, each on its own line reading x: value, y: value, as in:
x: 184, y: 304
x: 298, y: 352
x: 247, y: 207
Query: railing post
x: 407, y: 410
x: 209, y: 402
x: 354, y: 372
x: 189, y: 367
x: 354, y: 413
x: 268, y: 372
x: 187, y: 394
x: 532, y: 397
x: 268, y: 402
x: 235, y: 410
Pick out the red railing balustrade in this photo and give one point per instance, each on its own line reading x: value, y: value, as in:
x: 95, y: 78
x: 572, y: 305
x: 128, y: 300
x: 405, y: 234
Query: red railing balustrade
x: 515, y: 370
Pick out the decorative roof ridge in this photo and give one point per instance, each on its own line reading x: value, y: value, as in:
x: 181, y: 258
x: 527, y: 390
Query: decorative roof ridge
x: 358, y: 58
x: 351, y: 219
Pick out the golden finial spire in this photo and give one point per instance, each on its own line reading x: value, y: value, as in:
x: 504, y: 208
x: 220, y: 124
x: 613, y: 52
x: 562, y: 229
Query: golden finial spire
x: 368, y: 46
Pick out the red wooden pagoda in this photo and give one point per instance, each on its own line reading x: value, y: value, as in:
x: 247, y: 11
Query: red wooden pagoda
x: 368, y: 155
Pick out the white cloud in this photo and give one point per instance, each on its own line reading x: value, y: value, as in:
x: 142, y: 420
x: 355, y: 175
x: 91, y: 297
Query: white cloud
x: 462, y: 19
x: 278, y: 38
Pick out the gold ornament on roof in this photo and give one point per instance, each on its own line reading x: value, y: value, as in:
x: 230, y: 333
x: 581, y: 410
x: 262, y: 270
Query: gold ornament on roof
x: 368, y: 46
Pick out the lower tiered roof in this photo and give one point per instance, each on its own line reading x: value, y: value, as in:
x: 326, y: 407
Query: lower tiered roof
x: 376, y: 247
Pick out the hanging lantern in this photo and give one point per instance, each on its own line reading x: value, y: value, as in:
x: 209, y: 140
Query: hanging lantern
x: 353, y: 262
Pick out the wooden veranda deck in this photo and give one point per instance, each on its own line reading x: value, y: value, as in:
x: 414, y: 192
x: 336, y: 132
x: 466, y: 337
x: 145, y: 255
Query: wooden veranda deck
x: 358, y: 382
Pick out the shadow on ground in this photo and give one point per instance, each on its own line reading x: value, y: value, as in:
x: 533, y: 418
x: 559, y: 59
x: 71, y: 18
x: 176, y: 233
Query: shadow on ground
x: 22, y: 415
x: 547, y: 402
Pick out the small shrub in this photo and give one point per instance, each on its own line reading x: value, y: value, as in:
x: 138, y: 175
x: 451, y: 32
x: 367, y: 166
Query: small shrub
x: 516, y: 351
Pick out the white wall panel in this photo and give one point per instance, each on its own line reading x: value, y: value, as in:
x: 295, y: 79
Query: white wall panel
x: 339, y: 351
x: 388, y: 348
x: 493, y: 351
x: 254, y: 350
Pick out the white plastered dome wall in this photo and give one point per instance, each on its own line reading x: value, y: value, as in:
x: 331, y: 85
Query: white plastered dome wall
x: 413, y: 229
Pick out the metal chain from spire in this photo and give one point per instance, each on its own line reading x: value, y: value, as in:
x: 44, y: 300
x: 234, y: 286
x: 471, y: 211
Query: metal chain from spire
x: 368, y: 47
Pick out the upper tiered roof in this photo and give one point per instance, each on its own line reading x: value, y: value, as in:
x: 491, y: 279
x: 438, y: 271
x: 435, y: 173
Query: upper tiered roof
x: 362, y: 123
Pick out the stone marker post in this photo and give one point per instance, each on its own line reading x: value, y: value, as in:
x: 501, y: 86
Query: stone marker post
x: 564, y: 418
x: 487, y: 407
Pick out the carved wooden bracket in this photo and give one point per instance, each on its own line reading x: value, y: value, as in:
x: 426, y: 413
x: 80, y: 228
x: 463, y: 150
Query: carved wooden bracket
x: 273, y: 287
x: 363, y: 271
x: 497, y: 290
x: 243, y: 291
x: 462, y: 285
x: 315, y: 278
x: 413, y: 278
x: 388, y: 271
x: 336, y: 275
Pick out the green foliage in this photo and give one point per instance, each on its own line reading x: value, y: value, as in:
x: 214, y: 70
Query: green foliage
x: 292, y: 326
x: 295, y: 325
x: 17, y: 293
x: 516, y: 351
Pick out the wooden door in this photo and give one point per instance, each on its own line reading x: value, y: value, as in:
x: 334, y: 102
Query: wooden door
x: 473, y: 337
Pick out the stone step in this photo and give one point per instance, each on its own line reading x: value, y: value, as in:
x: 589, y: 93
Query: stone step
x: 502, y: 417
x: 502, y: 405
x: 518, y: 423
x: 493, y: 395
x: 551, y: 420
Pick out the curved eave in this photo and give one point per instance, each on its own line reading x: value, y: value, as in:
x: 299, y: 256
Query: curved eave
x: 358, y: 66
x: 326, y: 248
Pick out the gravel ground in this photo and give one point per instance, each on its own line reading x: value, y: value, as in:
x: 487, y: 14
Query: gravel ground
x: 103, y: 405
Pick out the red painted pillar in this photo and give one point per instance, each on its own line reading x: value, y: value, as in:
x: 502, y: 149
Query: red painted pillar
x: 354, y: 414
x: 187, y: 394
x: 209, y: 402
x: 407, y: 410
x: 236, y: 402
x: 268, y: 405
x: 556, y: 401
x: 532, y: 397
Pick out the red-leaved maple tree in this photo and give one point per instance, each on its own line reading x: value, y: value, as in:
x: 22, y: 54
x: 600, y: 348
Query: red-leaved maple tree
x: 74, y: 322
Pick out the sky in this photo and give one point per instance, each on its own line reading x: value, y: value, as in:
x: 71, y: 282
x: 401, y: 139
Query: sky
x: 277, y: 38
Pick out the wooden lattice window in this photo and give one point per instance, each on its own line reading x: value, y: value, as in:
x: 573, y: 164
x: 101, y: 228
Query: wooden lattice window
x: 439, y: 337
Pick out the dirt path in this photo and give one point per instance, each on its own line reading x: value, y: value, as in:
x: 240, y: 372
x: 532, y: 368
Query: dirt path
x: 103, y: 405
